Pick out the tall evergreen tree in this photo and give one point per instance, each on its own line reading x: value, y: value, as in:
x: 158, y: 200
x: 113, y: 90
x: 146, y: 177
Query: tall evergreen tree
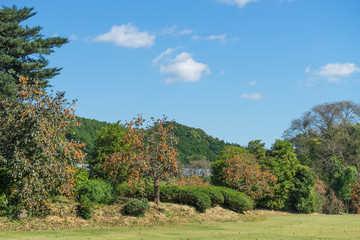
x: 22, y: 50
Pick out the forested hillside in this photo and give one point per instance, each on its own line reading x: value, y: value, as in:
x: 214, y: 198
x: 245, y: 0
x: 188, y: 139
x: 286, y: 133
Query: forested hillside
x: 86, y: 132
x: 194, y: 144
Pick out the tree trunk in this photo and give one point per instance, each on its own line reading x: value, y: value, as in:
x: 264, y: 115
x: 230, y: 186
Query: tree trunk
x: 156, y: 191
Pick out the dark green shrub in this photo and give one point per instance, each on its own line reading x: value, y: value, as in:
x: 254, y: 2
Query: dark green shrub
x: 136, y: 207
x: 85, y: 208
x: 236, y: 201
x: 213, y: 192
x: 96, y: 191
x: 194, y: 198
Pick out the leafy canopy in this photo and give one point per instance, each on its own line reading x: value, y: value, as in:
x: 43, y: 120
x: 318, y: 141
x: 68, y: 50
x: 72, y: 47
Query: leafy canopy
x: 22, y: 51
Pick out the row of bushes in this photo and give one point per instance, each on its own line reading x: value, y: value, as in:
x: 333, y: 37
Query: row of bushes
x: 200, y: 197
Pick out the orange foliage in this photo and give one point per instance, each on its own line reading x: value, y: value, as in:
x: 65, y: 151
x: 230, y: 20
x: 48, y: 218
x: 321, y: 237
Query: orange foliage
x: 34, y: 148
x: 147, y: 152
x: 244, y: 174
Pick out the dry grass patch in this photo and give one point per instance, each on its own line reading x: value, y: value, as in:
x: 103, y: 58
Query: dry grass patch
x: 63, y: 216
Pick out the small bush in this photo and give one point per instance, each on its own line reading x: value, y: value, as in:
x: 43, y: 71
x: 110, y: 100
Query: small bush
x: 85, y: 208
x: 236, y: 201
x: 96, y: 191
x: 136, y: 207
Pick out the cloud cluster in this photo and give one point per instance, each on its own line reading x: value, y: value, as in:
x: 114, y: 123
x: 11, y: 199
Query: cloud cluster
x: 127, y: 35
x: 239, y: 3
x: 332, y: 72
x: 182, y: 67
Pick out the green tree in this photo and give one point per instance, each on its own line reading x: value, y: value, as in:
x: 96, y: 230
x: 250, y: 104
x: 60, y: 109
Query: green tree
x: 282, y: 162
x: 108, y: 141
x: 343, y: 182
x: 22, y: 51
x: 302, y: 198
x: 257, y: 149
x: 327, y: 136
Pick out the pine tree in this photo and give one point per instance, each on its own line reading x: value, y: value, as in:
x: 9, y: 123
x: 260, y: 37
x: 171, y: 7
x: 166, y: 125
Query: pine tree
x: 22, y: 50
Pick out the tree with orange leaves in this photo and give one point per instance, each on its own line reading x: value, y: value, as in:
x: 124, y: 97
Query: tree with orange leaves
x: 147, y: 151
x: 244, y: 173
x: 36, y: 160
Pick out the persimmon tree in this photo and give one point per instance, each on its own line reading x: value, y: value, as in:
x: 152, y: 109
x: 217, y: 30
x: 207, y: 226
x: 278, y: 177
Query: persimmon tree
x: 148, y: 151
x: 355, y: 197
x: 243, y: 172
x: 36, y: 160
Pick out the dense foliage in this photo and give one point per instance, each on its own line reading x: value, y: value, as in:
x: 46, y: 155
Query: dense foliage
x: 95, y: 191
x: 195, y: 144
x: 22, y: 51
x: 244, y: 173
x: 85, y: 132
x: 147, y: 152
x: 36, y: 160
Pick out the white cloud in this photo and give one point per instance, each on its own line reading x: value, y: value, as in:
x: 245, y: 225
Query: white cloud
x: 221, y: 38
x: 252, y: 83
x: 335, y: 71
x: 73, y: 37
x: 184, y: 32
x: 252, y: 96
x: 162, y: 55
x: 127, y: 36
x: 239, y: 3
x: 173, y: 31
x: 181, y: 68
x: 332, y: 72
x: 169, y: 30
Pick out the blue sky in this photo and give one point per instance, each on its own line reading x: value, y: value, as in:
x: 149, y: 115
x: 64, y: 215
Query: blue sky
x: 238, y: 69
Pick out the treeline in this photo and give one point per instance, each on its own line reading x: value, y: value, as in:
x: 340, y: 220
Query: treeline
x: 193, y: 143
x: 314, y: 168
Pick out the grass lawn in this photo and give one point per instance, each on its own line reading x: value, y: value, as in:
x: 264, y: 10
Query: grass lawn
x: 271, y: 227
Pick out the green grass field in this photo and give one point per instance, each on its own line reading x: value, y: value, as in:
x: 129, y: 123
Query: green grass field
x: 271, y: 227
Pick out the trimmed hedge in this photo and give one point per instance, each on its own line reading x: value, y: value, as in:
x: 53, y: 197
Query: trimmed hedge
x: 236, y: 201
x: 96, y: 191
x: 215, y: 195
x: 200, y: 197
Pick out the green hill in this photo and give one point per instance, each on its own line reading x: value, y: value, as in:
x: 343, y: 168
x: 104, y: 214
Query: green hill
x: 86, y: 132
x: 194, y: 144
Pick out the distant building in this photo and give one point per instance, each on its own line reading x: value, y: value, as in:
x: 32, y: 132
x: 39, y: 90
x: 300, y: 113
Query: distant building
x: 196, y: 171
